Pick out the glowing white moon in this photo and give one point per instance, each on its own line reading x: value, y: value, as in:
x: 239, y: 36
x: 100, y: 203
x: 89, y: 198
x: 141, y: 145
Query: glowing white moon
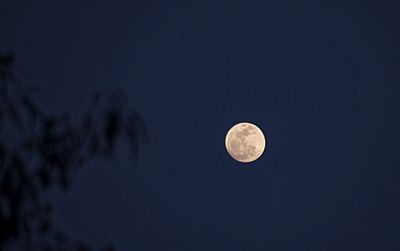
x: 245, y: 142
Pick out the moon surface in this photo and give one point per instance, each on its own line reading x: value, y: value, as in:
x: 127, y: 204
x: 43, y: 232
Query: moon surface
x: 245, y: 142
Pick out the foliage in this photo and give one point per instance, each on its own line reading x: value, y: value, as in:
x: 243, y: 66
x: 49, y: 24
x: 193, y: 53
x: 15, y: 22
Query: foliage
x: 40, y: 151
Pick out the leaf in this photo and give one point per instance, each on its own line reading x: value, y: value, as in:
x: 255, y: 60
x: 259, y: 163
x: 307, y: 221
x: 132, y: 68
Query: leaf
x: 60, y: 237
x: 14, y: 115
x: 86, y: 124
x: 64, y: 181
x: 83, y: 247
x: 112, y: 126
x: 43, y: 177
x: 45, y: 226
x: 31, y: 110
x: 7, y: 59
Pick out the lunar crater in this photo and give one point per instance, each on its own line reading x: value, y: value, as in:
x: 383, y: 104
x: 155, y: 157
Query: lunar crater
x: 245, y: 142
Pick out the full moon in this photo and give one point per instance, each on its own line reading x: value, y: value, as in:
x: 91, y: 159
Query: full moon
x: 245, y: 142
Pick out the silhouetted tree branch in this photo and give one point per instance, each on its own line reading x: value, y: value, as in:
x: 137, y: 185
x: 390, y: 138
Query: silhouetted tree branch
x: 39, y: 151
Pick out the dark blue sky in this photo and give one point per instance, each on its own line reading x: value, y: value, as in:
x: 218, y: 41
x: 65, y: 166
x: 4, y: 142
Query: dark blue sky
x: 321, y: 78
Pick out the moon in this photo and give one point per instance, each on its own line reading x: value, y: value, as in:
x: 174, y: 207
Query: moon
x: 245, y: 142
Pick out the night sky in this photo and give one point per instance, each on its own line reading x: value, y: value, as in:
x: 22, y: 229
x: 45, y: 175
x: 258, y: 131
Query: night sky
x: 320, y: 78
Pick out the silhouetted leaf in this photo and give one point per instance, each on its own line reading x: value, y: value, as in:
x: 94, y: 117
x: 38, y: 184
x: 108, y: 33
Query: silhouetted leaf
x: 44, y: 177
x: 86, y: 124
x: 64, y: 181
x: 112, y: 127
x: 31, y: 110
x: 7, y: 59
x: 83, y: 247
x: 60, y: 237
x: 44, y: 226
x: 14, y: 115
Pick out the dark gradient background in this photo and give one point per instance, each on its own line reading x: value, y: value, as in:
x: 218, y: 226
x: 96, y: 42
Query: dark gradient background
x: 321, y: 78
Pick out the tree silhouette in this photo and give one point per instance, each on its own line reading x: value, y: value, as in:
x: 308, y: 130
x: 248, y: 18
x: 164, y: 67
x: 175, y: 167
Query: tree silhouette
x: 40, y: 151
